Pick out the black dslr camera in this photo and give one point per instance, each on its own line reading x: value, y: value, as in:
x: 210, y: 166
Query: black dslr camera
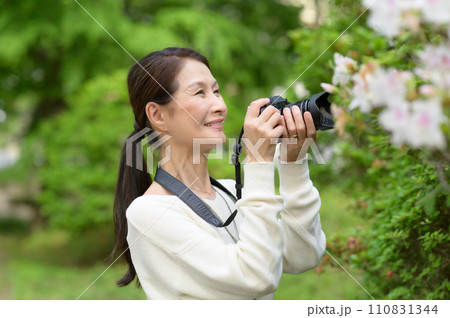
x: 318, y: 105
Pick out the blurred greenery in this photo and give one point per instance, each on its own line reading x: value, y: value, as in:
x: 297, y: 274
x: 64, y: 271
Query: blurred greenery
x: 63, y: 88
x: 68, y: 102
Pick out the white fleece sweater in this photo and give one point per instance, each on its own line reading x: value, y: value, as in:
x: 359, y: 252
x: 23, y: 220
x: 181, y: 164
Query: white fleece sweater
x: 177, y: 255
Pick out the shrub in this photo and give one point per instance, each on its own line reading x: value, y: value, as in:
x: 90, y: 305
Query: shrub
x: 407, y: 244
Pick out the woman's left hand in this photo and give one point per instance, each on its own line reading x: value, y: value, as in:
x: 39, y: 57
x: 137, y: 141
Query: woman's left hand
x: 299, y: 128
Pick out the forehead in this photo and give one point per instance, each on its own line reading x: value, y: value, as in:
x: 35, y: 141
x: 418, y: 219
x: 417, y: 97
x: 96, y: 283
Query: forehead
x: 194, y: 71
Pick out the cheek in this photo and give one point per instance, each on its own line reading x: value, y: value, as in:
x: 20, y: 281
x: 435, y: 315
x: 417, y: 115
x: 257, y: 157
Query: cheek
x: 192, y: 106
x: 198, y: 114
x: 188, y: 121
x: 194, y: 118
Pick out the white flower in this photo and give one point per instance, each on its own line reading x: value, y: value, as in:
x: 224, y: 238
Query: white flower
x: 362, y: 97
x: 278, y: 91
x: 436, y: 11
x: 300, y: 90
x: 385, y: 16
x: 389, y: 17
x: 345, y: 66
x: 396, y: 119
x: 426, y: 119
x: 328, y: 88
x: 388, y: 86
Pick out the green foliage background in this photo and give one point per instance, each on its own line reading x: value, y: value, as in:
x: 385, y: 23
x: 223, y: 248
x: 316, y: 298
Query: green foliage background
x: 69, y: 77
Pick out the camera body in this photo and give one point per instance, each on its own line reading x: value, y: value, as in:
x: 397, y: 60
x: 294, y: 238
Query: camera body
x: 318, y: 105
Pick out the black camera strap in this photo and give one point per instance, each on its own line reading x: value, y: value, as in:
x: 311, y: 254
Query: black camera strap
x: 237, y: 150
x: 191, y: 199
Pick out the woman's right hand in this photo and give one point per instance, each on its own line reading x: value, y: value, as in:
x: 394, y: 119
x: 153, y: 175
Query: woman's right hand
x: 261, y: 133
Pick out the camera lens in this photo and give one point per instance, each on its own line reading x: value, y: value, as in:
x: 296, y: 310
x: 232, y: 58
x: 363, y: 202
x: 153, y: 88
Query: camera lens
x: 318, y: 105
x: 303, y: 105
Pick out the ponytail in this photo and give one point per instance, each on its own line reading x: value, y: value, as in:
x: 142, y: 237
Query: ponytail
x: 131, y: 183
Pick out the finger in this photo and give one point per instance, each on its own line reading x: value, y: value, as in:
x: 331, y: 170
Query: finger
x: 274, y: 119
x: 267, y: 113
x: 279, y: 131
x: 289, y: 120
x: 282, y: 122
x: 298, y: 119
x: 253, y: 109
x: 310, y: 127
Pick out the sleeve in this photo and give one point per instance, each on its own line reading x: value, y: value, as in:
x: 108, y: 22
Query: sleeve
x: 304, y: 240
x: 249, y: 269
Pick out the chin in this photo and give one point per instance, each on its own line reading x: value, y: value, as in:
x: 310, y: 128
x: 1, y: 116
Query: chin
x: 224, y: 138
x: 216, y: 137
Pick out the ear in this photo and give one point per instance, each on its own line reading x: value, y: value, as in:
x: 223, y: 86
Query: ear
x: 156, y: 116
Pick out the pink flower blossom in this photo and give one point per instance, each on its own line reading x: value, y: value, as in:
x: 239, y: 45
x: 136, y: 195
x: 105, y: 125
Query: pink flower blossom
x: 426, y: 119
x: 389, y: 86
x: 396, y: 119
x: 416, y: 124
x: 427, y: 90
x: 436, y: 65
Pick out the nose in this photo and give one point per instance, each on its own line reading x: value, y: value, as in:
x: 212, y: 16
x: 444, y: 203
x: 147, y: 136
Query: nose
x: 218, y: 105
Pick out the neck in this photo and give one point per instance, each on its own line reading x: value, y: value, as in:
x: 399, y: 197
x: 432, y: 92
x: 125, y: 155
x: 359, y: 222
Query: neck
x: 191, y: 171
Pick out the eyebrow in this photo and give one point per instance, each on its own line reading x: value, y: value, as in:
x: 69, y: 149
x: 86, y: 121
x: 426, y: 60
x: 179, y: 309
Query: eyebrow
x: 201, y: 83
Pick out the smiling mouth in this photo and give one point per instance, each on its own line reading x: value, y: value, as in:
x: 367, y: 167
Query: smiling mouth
x: 214, y: 124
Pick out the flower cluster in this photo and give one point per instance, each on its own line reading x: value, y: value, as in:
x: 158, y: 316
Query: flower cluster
x: 413, y: 115
x: 390, y: 17
x: 410, y: 103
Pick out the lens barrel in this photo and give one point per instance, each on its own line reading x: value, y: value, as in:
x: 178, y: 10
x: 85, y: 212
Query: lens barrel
x: 318, y: 105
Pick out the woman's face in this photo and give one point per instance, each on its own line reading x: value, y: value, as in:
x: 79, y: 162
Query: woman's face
x: 198, y: 111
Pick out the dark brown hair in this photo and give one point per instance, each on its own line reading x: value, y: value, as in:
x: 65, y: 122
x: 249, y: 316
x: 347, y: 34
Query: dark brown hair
x: 152, y: 79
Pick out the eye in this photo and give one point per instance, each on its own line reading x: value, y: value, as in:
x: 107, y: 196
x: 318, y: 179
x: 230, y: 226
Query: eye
x: 200, y: 92
x: 217, y: 91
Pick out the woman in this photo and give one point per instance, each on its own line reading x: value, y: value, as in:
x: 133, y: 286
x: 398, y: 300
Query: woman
x: 174, y: 252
